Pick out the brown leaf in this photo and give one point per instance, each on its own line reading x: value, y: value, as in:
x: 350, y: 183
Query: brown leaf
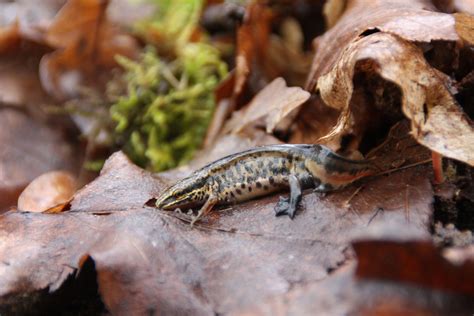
x: 344, y: 294
x: 417, y: 262
x: 437, y: 121
x: 252, y: 40
x: 46, y: 191
x: 395, y: 274
x: 410, y: 20
x: 273, y: 103
x: 86, y: 41
x: 148, y: 259
x: 29, y: 148
x: 370, y: 85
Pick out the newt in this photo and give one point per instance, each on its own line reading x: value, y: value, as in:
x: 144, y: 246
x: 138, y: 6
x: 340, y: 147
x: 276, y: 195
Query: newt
x: 261, y: 171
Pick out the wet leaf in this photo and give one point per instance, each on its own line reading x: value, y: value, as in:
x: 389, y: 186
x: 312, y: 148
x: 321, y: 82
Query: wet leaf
x: 47, y: 191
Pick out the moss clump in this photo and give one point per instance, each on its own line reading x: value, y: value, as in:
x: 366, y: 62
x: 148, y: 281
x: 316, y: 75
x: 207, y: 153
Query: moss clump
x: 163, y: 116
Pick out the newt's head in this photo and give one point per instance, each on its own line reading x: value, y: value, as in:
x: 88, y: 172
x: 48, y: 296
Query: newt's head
x: 186, y: 193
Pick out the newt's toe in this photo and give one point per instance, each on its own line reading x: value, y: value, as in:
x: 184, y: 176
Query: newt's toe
x: 283, y: 207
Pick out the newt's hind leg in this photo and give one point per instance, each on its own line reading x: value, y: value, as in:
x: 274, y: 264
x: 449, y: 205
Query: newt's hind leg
x: 205, y: 209
x: 287, y: 206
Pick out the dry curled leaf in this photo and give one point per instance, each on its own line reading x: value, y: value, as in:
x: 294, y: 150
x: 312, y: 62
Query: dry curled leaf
x: 408, y: 19
x: 371, y: 78
x: 437, y: 121
x: 273, y: 103
x: 46, y: 191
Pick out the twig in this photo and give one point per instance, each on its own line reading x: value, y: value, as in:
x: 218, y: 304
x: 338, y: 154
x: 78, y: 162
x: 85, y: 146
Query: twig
x: 407, y: 210
x: 379, y: 209
x: 347, y: 203
x: 437, y: 167
x: 402, y: 168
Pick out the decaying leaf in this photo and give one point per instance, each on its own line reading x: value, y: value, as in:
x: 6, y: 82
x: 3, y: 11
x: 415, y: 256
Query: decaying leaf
x: 437, y: 121
x: 85, y: 42
x: 362, y: 250
x: 273, y: 103
x: 395, y: 274
x: 252, y: 38
x: 410, y: 20
x: 29, y: 148
x: 350, y: 53
x: 417, y: 262
x: 46, y: 191
x: 147, y: 259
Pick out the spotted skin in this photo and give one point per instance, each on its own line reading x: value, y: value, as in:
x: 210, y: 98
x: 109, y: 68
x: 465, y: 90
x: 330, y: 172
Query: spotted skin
x: 261, y: 171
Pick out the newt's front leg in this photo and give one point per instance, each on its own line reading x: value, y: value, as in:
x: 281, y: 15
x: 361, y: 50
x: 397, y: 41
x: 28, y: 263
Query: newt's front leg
x: 288, y: 206
x: 205, y: 209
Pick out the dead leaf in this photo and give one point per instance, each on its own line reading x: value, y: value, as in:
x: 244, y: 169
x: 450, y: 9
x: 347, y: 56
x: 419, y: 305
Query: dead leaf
x: 46, y: 191
x: 343, y: 294
x: 86, y: 41
x: 369, y: 101
x: 273, y: 103
x: 314, y: 121
x: 333, y: 9
x: 147, y: 259
x: 224, y: 104
x: 29, y: 148
x: 410, y: 20
x: 289, y: 47
x: 394, y: 274
x: 417, y: 262
x: 437, y: 121
x: 30, y: 19
x: 252, y: 40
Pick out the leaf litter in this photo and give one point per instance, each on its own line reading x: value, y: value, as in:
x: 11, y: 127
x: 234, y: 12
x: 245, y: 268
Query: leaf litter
x: 363, y: 250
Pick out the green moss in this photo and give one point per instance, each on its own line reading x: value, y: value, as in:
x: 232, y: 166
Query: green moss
x: 163, y: 116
